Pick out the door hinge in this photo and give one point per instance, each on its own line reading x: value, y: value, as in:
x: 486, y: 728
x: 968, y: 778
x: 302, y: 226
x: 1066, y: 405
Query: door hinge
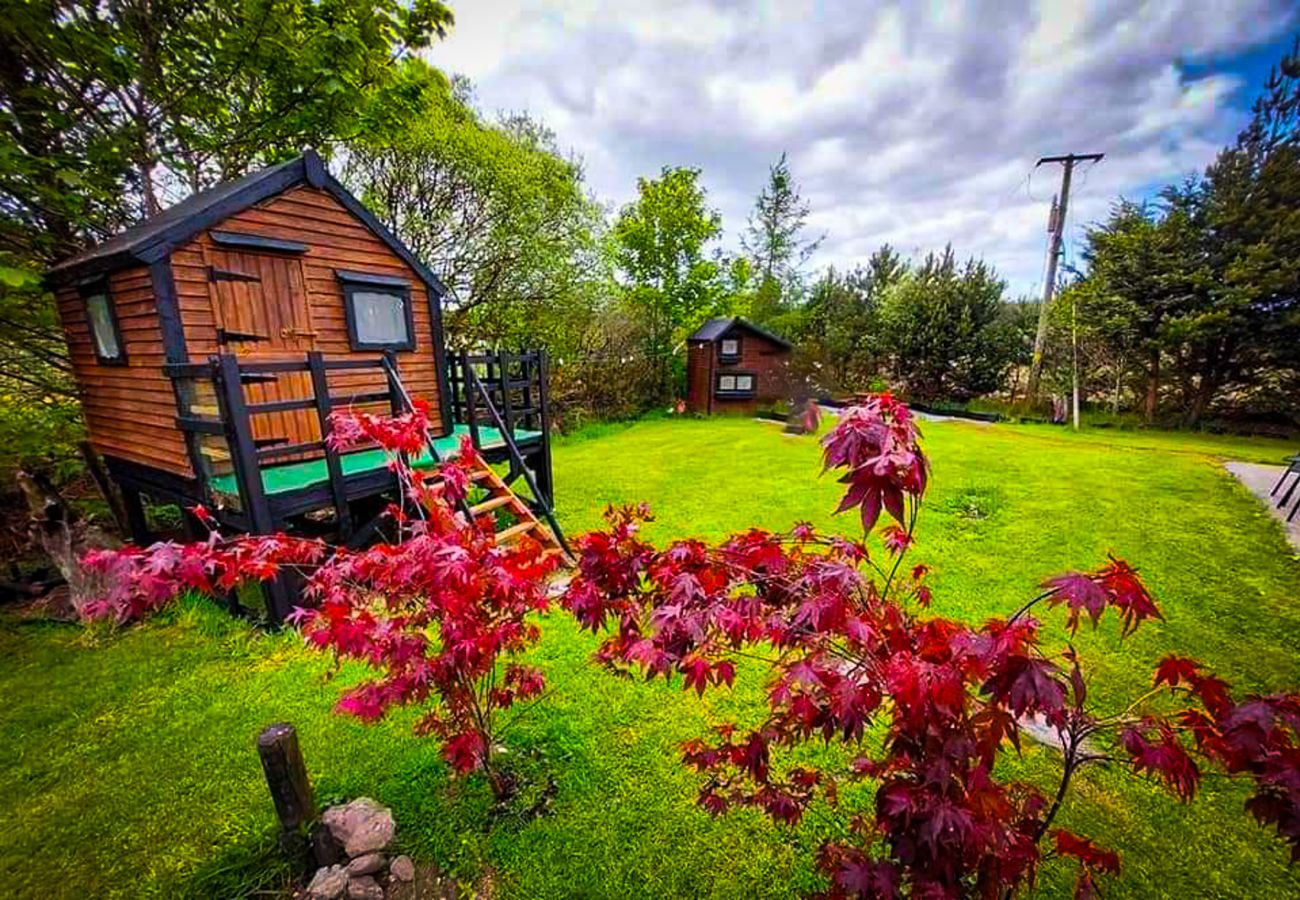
x: 215, y: 274
x: 225, y: 337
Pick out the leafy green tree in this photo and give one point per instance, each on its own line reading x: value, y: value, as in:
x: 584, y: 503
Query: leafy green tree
x: 499, y: 213
x: 945, y: 328
x: 110, y: 110
x: 660, y: 247
x: 1246, y: 212
x: 1132, y: 291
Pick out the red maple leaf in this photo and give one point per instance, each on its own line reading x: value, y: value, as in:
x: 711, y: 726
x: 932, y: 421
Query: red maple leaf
x: 1085, y: 851
x: 1175, y: 670
x: 1081, y: 593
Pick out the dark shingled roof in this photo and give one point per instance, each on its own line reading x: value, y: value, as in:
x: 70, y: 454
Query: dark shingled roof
x: 155, y: 237
x: 179, y: 223
x: 714, y: 329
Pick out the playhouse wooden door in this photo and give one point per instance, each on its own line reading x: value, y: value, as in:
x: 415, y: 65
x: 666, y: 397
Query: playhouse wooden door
x: 260, y: 304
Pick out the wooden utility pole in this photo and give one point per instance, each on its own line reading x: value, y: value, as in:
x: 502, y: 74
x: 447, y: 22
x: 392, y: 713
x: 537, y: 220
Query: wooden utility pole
x: 1056, y: 231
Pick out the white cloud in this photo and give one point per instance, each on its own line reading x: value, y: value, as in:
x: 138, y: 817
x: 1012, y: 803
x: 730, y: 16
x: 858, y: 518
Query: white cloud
x: 908, y: 123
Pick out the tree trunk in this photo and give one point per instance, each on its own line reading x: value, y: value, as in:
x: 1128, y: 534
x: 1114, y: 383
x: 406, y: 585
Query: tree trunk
x: 57, y: 531
x: 1119, y: 376
x: 1153, y: 388
x: 1200, y: 401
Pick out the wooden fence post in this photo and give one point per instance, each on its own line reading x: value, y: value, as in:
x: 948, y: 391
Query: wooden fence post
x: 286, y: 776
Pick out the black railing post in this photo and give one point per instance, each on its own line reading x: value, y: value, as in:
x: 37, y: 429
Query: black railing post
x: 395, y: 401
x: 526, y: 369
x: 243, y: 452
x: 503, y: 380
x: 397, y: 397
x: 324, y: 407
x: 471, y: 401
x: 453, y: 385
x: 248, y: 474
x: 545, y: 475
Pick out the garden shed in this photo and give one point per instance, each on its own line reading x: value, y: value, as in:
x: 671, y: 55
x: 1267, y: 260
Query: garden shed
x: 732, y: 365
x: 211, y: 343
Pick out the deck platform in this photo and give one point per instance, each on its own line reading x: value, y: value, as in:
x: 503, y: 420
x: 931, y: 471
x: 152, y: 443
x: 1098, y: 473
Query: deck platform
x: 287, y: 478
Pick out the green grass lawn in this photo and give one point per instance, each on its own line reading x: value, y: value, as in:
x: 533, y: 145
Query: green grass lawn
x: 127, y: 765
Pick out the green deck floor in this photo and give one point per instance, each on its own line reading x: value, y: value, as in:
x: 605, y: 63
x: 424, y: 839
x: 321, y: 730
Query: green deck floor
x: 288, y: 477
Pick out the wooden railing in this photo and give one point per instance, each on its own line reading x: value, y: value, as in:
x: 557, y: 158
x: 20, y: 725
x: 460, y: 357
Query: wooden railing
x: 514, y: 384
x: 518, y: 464
x: 232, y: 416
x: 505, y: 392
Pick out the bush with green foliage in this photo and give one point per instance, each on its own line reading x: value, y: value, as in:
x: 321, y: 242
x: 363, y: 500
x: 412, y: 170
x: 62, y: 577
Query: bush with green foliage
x: 946, y: 330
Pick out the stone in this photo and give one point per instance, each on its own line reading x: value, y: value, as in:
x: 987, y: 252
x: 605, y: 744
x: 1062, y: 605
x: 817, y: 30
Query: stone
x: 362, y: 826
x: 364, y: 888
x: 324, y: 849
x: 369, y: 864
x: 328, y: 883
x: 402, y: 868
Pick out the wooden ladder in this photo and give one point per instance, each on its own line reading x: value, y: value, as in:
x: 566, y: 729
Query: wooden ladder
x: 497, y: 497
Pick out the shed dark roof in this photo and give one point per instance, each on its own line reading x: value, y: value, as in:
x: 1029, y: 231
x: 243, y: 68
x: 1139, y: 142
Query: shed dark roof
x: 155, y: 237
x: 714, y: 329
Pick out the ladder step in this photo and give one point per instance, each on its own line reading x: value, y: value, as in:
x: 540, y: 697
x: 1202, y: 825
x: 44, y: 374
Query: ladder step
x: 515, y: 530
x: 490, y: 504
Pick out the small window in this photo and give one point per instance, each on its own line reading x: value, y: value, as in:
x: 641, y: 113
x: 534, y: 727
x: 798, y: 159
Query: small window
x: 730, y: 348
x: 378, y: 311
x: 104, y: 332
x: 737, y: 385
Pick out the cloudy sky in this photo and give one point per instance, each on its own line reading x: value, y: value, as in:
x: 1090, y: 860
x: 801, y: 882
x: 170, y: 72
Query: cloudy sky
x: 915, y: 123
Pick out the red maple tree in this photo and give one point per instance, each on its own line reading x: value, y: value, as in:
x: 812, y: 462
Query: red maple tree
x: 925, y: 704
x: 438, y: 613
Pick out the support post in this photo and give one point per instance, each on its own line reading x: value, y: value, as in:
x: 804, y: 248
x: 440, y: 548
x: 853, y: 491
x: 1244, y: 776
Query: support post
x: 286, y: 776
x: 248, y: 476
x: 528, y: 369
x: 544, y: 473
x: 507, y: 408
x: 471, y: 404
x: 1056, y: 224
x: 136, y: 519
x: 324, y: 407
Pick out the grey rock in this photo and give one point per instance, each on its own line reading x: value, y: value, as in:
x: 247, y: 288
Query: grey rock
x: 364, y: 888
x: 362, y: 826
x: 328, y: 883
x: 324, y: 849
x: 369, y: 864
x: 402, y: 869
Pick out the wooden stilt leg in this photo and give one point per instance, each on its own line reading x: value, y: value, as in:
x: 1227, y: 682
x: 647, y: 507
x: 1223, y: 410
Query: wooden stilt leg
x: 136, y: 518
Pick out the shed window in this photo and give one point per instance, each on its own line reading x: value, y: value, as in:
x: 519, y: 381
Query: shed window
x: 378, y: 312
x: 730, y: 348
x: 104, y: 332
x: 741, y: 385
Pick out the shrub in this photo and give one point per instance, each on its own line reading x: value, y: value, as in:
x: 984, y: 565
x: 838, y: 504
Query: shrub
x: 437, y: 614
x: 844, y: 629
x: 850, y: 646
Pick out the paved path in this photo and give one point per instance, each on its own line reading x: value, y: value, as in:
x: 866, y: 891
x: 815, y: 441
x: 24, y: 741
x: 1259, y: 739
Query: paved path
x: 1260, y: 480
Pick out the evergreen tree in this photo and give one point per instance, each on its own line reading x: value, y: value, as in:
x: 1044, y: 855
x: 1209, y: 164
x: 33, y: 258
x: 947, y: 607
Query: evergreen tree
x: 774, y: 240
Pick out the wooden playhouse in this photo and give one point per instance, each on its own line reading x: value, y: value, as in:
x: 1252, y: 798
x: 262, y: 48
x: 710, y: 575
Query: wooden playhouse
x: 734, y: 366
x: 211, y: 342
